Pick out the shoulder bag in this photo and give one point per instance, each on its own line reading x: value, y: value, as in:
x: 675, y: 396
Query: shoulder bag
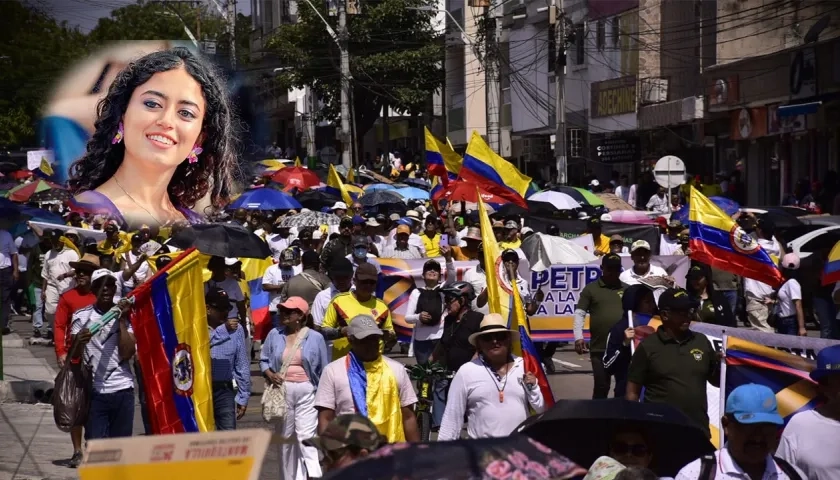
x: 274, y: 396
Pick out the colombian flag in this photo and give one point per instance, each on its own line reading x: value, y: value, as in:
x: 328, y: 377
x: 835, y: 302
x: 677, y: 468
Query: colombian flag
x: 784, y: 373
x: 493, y: 173
x: 254, y: 269
x: 505, y: 295
x: 336, y: 187
x: 173, y: 346
x: 440, y: 157
x: 831, y: 272
x: 718, y: 241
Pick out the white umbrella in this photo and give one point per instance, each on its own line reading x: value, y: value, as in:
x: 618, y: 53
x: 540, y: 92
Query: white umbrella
x: 543, y: 251
x: 560, y: 200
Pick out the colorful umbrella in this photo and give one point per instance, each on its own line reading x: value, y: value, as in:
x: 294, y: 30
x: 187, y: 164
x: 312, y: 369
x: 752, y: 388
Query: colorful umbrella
x: 462, y: 191
x: 296, y: 177
x: 265, y: 199
x: 22, y: 193
x: 51, y: 195
x: 630, y: 216
x: 581, y: 195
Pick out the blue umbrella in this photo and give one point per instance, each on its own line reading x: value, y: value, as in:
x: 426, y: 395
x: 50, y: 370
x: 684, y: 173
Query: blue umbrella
x: 265, y: 199
x: 729, y: 206
x: 375, y: 187
x: 413, y: 193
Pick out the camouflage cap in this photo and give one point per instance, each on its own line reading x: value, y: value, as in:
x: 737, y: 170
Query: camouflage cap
x: 349, y: 430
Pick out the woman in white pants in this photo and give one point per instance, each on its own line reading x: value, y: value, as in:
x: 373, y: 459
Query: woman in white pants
x: 294, y: 356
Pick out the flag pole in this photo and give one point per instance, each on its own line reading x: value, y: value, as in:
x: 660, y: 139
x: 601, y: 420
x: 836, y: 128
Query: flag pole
x: 722, y: 385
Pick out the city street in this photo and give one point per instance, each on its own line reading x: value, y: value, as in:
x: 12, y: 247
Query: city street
x: 28, y: 435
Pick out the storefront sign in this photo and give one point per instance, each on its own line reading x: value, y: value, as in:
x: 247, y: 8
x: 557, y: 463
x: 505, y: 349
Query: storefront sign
x: 617, y: 149
x: 724, y: 91
x: 791, y: 124
x: 803, y: 73
x: 614, y: 97
x: 748, y: 123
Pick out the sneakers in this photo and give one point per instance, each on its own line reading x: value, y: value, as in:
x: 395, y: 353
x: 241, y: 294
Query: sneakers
x: 48, y: 335
x: 36, y: 333
x: 75, y: 460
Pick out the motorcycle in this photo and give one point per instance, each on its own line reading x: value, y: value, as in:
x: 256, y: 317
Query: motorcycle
x: 425, y: 375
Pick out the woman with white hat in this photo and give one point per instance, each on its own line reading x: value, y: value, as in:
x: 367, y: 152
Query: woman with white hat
x: 493, y: 390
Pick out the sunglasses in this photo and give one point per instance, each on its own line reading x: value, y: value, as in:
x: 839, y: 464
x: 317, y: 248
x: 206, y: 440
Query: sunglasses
x: 495, y: 337
x: 634, y: 449
x: 85, y: 273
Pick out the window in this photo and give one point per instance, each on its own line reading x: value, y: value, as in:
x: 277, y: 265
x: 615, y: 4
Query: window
x: 574, y: 142
x: 615, y: 32
x: 601, y: 35
x: 580, y: 44
x: 629, y: 42
x: 552, y: 48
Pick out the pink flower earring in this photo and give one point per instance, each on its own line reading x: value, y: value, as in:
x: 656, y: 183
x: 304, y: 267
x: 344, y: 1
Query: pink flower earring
x: 193, y: 156
x: 119, y: 136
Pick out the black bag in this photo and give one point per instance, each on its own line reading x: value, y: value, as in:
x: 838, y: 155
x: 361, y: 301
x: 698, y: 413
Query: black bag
x: 71, y: 395
x: 430, y: 302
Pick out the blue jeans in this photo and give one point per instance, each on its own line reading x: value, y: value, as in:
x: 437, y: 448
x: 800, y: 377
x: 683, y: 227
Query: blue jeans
x: 787, y: 325
x: 111, y: 415
x: 141, y: 396
x: 224, y: 408
x: 439, y: 395
x: 38, y: 312
x: 826, y: 313
x: 423, y: 350
x: 732, y: 299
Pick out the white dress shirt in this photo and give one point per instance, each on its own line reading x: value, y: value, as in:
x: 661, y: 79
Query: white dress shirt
x: 728, y: 469
x: 629, y: 277
x: 7, y: 249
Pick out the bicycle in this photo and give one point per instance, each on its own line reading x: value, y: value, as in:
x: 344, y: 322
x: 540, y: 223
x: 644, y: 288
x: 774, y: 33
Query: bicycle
x: 425, y: 375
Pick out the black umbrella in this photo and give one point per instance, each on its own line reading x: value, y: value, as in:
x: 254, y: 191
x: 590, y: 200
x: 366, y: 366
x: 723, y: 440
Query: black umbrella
x: 381, y: 197
x: 51, y: 195
x: 316, y: 199
x: 781, y: 218
x: 512, y: 457
x: 222, y: 240
x: 510, y: 210
x: 676, y: 440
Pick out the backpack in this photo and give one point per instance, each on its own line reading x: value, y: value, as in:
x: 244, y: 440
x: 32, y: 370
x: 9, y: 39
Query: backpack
x: 708, y: 468
x: 430, y: 302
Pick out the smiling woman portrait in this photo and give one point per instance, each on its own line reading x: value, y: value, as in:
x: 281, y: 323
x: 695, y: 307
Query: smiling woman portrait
x: 163, y: 139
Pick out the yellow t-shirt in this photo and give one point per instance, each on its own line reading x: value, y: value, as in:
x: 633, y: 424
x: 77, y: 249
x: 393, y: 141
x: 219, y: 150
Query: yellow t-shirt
x: 510, y: 245
x: 344, y: 307
x: 602, y: 244
x: 432, y: 245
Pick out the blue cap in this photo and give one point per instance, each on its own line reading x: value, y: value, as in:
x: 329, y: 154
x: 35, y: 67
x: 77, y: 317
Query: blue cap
x: 405, y: 221
x: 828, y: 362
x: 326, y: 210
x: 358, y: 220
x: 753, y: 403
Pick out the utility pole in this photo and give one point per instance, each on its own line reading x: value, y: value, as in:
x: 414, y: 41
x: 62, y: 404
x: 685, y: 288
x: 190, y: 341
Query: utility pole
x: 198, y: 23
x: 346, y: 134
x: 559, y: 19
x: 231, y: 20
x: 311, y: 104
x: 493, y: 16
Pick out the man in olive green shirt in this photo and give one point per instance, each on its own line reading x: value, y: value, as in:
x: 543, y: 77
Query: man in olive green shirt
x: 600, y: 299
x: 674, y: 364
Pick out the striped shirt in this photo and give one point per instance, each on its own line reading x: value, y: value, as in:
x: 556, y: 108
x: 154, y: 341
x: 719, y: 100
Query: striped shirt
x: 229, y: 360
x: 410, y: 253
x: 102, y: 353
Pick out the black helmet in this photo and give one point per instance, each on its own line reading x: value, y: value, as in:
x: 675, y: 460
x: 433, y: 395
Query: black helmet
x: 458, y: 290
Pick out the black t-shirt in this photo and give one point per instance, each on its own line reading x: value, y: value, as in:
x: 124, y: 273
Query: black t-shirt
x: 455, y: 341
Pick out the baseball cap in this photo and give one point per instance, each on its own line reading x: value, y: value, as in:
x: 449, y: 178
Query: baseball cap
x: 611, y: 261
x: 509, y: 253
x: 360, y: 241
x: 371, y: 222
x: 358, y: 220
x: 345, y: 222
x: 218, y: 299
x: 512, y: 224
x: 72, y: 231
x: 828, y: 362
x: 676, y: 299
x: 363, y: 326
x: 790, y: 261
x: 136, y: 237
x: 753, y: 403
x: 230, y: 261
x: 394, y: 217
x: 675, y: 223
x: 403, y: 229
x: 405, y: 221
x: 366, y: 271
x: 339, y: 206
x: 341, y: 267
x: 102, y: 272
x: 639, y: 244
x: 295, y: 303
x: 617, y: 238
x: 348, y: 430
x: 594, y: 222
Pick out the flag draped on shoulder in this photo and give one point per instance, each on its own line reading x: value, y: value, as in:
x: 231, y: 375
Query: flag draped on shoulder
x: 173, y: 347
x: 717, y: 240
x: 493, y: 173
x: 504, y: 298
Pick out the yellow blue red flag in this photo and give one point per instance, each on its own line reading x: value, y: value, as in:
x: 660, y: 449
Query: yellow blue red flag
x: 173, y: 346
x: 831, y: 271
x: 297, y: 162
x: 493, y: 173
x: 336, y: 187
x: 717, y: 240
x: 441, y: 157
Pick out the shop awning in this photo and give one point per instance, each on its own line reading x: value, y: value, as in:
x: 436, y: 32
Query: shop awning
x: 798, y: 109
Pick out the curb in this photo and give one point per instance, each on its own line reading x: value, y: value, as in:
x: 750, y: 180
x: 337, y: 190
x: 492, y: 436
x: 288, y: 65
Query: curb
x: 25, y: 391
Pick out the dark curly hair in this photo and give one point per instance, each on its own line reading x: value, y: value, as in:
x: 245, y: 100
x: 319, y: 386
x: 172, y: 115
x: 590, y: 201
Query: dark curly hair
x: 213, y: 171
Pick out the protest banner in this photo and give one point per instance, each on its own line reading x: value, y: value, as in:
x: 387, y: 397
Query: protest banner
x: 561, y: 285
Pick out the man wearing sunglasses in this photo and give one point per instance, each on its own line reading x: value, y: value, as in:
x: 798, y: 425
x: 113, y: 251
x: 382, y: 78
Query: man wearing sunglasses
x: 346, y: 439
x: 674, y: 364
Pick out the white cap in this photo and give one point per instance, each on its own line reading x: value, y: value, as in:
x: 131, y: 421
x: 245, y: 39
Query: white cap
x: 305, y: 210
x: 526, y: 230
x: 371, y: 222
x: 606, y: 217
x: 582, y: 215
x: 339, y: 206
x: 595, y: 182
x: 413, y: 214
x: 231, y: 261
x: 639, y: 244
x: 790, y: 261
x: 316, y: 235
x: 102, y: 272
x: 72, y: 231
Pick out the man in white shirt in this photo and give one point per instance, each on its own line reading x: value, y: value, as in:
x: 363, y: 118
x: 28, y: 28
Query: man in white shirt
x: 759, y: 296
x: 642, y: 268
x: 9, y: 276
x: 751, y: 422
x: 669, y: 242
x: 659, y: 202
x: 57, y: 275
x: 811, y: 439
x: 341, y: 275
x: 275, y: 278
x: 135, y: 267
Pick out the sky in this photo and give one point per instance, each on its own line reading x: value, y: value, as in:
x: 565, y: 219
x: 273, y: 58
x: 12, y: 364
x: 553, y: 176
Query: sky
x: 86, y: 13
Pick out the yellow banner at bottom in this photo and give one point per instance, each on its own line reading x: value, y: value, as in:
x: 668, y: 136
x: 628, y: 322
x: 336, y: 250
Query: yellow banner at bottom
x: 228, y: 455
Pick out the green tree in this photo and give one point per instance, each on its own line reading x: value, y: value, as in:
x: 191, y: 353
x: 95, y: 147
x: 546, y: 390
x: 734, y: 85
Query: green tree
x: 34, y: 50
x: 396, y: 58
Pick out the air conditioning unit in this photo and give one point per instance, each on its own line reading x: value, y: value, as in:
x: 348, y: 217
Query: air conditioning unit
x: 653, y: 90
